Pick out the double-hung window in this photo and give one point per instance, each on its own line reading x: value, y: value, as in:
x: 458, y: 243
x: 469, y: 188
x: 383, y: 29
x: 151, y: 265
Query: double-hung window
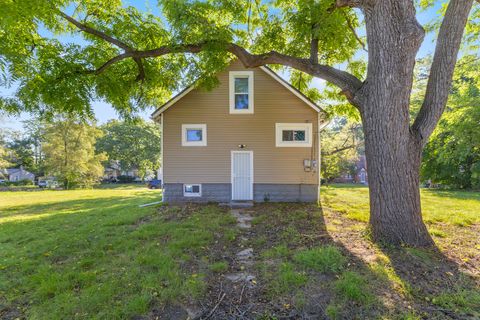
x: 293, y: 134
x: 194, y: 135
x: 241, y: 92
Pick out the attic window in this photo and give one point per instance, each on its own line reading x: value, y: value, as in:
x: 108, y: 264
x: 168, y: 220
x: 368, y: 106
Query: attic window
x: 241, y: 92
x: 194, y: 135
x: 293, y: 134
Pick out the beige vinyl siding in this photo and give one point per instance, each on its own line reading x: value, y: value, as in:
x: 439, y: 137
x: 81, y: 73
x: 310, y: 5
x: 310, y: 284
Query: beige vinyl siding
x: 273, y: 103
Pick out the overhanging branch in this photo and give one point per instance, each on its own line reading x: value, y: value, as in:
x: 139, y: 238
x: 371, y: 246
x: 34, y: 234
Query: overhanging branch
x: 348, y: 83
x: 441, y: 71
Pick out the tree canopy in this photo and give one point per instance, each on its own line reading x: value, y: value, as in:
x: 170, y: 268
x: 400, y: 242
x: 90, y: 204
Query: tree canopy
x: 112, y: 57
x: 342, y: 144
x: 70, y: 153
x: 452, y: 157
x: 135, y: 145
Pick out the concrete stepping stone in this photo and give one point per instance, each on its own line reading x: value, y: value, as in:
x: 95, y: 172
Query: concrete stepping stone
x: 243, y: 219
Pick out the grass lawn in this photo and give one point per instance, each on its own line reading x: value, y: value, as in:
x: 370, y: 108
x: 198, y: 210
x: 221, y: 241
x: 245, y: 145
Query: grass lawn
x: 459, y: 208
x: 94, y: 254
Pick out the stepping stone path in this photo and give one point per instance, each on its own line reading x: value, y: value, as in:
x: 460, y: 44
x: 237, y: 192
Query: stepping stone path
x: 244, y: 257
x: 243, y: 219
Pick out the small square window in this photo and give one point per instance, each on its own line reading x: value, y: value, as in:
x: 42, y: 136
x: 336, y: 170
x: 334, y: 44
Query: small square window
x: 192, y: 190
x: 194, y: 135
x: 241, y: 92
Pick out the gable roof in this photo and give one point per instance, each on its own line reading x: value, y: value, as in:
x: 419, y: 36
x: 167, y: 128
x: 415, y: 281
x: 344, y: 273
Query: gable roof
x: 11, y: 171
x: 267, y: 70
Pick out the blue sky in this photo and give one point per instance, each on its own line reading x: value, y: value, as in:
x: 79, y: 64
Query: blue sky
x: 104, y: 111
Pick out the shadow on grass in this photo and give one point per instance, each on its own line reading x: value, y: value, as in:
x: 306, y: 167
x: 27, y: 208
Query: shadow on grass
x: 65, y: 209
x: 302, y: 272
x: 438, y: 288
x: 367, y: 285
x: 393, y: 283
x: 455, y: 194
x: 133, y: 185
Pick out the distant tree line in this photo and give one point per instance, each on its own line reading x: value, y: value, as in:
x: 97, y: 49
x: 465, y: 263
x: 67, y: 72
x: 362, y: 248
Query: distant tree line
x: 75, y: 151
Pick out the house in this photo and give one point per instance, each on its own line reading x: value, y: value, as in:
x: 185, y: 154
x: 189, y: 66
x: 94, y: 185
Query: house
x: 253, y: 137
x: 361, y: 175
x: 17, y: 174
x: 114, y: 172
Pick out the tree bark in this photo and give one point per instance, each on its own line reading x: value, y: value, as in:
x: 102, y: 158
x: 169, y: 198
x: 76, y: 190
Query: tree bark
x: 393, y: 155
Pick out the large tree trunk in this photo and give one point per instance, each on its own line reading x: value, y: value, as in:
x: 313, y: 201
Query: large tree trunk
x: 393, y: 176
x: 393, y: 152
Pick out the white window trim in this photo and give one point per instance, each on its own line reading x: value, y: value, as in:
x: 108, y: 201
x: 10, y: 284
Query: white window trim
x: 279, y: 127
x: 232, y: 76
x: 187, y: 194
x: 186, y: 143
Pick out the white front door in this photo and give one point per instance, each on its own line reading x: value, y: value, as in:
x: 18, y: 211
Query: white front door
x: 242, y: 175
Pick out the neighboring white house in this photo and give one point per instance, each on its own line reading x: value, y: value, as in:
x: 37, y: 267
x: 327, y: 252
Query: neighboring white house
x: 17, y: 174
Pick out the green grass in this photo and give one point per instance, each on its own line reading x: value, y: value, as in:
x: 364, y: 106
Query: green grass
x: 460, y: 299
x: 458, y: 208
x: 89, y: 254
x: 352, y: 286
x: 218, y: 267
x: 280, y: 251
x: 323, y: 259
x: 286, y: 279
x: 94, y: 254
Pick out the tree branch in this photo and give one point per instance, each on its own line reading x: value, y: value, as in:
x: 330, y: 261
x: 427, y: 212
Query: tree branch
x: 443, y: 66
x: 95, y: 32
x: 314, y: 50
x: 342, y: 79
x: 348, y: 83
x: 337, y: 150
x: 350, y: 26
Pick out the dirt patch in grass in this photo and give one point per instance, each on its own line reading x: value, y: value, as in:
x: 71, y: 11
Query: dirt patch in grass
x: 289, y: 282
x: 314, y: 264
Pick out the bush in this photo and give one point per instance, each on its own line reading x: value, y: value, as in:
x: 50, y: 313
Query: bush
x: 323, y: 259
x: 18, y: 183
x: 125, y: 179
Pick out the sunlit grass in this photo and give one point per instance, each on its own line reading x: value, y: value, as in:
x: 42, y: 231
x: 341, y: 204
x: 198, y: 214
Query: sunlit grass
x: 95, y: 254
x: 458, y: 208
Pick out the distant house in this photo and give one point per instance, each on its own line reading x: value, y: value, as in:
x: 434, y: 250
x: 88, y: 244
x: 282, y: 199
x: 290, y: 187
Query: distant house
x: 361, y: 174
x: 252, y: 138
x: 17, y: 174
x: 113, y: 171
